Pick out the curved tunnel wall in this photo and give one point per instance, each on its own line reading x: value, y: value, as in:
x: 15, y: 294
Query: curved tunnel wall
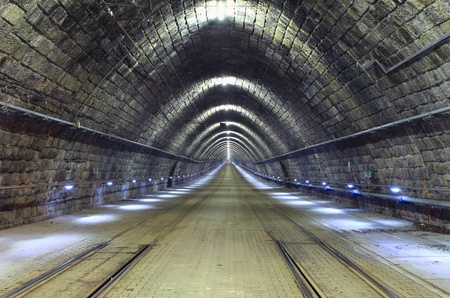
x: 304, y: 78
x: 40, y: 158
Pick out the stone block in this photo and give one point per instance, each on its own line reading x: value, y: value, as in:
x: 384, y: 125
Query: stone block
x: 12, y: 13
x: 8, y: 45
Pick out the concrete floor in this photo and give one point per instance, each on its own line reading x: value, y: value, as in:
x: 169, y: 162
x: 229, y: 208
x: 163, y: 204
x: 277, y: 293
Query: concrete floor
x: 225, y: 257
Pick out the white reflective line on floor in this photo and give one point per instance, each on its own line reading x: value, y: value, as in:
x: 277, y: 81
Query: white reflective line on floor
x: 26, y: 249
x: 422, y: 253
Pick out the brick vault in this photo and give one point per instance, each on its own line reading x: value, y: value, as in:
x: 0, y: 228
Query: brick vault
x: 144, y: 93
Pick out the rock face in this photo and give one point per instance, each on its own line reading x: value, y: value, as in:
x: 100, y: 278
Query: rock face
x: 337, y: 91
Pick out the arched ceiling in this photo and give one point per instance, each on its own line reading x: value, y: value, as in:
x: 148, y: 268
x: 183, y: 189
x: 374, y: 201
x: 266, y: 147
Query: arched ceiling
x: 283, y: 75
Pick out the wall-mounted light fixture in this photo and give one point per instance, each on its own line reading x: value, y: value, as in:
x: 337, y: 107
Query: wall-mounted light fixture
x: 68, y: 186
x: 395, y: 189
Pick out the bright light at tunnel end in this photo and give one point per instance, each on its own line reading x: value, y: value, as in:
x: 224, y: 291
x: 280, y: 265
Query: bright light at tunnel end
x: 219, y: 10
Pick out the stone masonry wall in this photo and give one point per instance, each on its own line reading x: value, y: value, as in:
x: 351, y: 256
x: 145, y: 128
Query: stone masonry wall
x: 38, y: 159
x: 414, y: 157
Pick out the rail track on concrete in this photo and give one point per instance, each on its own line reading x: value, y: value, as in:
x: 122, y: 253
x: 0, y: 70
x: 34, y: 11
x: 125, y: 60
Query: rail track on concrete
x: 293, y: 239
x: 318, y: 266
x: 92, y: 271
x: 379, y: 272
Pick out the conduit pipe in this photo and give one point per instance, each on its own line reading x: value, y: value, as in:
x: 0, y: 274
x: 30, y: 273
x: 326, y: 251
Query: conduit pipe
x: 7, y: 106
x: 156, y: 181
x: 369, y: 63
x: 398, y: 198
x: 358, y: 134
x: 357, y: 192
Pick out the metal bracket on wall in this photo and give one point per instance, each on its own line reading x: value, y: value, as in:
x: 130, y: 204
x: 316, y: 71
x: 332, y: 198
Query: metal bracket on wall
x: 435, y: 43
x: 115, y: 138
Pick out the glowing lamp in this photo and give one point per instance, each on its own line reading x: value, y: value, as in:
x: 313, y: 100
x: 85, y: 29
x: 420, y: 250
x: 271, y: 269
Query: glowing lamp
x: 395, y: 189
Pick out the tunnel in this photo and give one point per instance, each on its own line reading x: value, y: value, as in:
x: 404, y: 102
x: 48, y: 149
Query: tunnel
x: 224, y: 148
x: 106, y: 100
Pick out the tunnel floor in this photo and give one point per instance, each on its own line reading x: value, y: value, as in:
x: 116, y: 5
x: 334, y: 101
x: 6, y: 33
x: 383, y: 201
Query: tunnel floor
x: 208, y: 240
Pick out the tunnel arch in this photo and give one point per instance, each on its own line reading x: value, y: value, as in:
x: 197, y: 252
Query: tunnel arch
x: 230, y: 127
x: 107, y: 90
x: 220, y: 140
x: 220, y: 150
x: 210, y: 115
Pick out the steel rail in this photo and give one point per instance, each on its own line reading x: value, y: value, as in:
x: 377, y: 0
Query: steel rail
x: 374, y: 281
x: 306, y: 285
x: 312, y: 289
x: 76, y: 258
x: 370, y: 280
x: 139, y: 255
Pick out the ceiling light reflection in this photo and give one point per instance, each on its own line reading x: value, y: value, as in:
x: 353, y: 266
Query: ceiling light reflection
x: 167, y: 196
x: 349, y: 224
x: 176, y: 192
x: 136, y: 207
x: 300, y: 203
x: 150, y: 200
x: 285, y: 197
x: 46, y: 244
x: 329, y: 210
x: 95, y: 219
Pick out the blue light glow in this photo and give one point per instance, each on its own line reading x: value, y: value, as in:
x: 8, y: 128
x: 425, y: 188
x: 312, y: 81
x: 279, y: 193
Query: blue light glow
x: 135, y: 207
x: 395, y: 189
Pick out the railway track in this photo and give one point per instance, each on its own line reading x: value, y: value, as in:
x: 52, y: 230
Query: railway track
x: 385, y: 276
x: 270, y: 215
x: 92, y: 271
x: 319, y: 266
